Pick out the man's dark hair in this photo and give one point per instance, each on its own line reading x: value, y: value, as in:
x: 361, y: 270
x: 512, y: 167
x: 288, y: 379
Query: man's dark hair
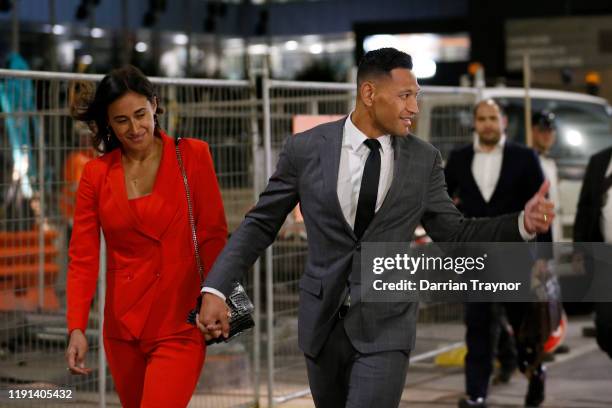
x: 382, y: 62
x: 545, y: 120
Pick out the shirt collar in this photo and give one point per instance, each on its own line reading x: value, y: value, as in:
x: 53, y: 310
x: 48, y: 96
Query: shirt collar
x: 354, y: 137
x: 498, y: 147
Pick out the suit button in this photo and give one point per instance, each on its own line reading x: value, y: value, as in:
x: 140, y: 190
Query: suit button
x: 157, y: 274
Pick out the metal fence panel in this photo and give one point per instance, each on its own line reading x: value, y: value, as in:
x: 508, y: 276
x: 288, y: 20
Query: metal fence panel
x: 287, y: 372
x: 445, y: 119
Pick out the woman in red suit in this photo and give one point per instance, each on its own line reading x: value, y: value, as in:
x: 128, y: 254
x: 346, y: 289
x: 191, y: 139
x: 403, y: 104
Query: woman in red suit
x: 134, y: 193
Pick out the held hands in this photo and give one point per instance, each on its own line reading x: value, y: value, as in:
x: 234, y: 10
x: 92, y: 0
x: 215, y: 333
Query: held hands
x: 539, y: 211
x: 213, y: 319
x: 75, y: 353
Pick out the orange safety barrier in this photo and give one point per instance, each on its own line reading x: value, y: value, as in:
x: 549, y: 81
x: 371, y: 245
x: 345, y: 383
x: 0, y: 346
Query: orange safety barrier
x: 19, y: 270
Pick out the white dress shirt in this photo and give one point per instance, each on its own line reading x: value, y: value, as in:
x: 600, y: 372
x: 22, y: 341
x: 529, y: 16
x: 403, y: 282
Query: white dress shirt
x: 549, y: 167
x: 353, y: 156
x: 606, y: 211
x: 486, y: 168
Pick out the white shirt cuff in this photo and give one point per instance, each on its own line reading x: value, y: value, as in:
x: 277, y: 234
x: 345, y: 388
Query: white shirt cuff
x: 213, y: 291
x: 524, y: 234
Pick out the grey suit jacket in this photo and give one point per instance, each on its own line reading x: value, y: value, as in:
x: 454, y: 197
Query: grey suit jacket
x: 307, y: 173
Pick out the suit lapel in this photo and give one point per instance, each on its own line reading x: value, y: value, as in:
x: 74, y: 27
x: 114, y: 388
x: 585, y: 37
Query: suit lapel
x: 119, y: 193
x: 470, y: 175
x: 504, y: 172
x: 330, y: 151
x: 402, y: 166
x: 168, y: 190
x: 162, y: 204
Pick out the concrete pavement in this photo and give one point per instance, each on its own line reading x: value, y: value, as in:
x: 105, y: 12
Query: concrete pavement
x: 581, y: 378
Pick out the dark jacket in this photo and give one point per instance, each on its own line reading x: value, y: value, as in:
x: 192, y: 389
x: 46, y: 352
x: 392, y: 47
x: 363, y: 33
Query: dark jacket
x: 519, y: 179
x: 587, y: 226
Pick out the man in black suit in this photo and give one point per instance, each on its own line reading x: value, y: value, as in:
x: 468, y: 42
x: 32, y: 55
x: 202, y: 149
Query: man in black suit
x: 594, y: 224
x: 488, y: 178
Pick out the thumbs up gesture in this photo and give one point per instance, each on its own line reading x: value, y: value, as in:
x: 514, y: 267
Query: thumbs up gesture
x: 539, y: 211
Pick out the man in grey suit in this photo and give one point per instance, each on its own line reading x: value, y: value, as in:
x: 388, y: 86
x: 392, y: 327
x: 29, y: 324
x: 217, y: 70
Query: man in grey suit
x: 361, y: 179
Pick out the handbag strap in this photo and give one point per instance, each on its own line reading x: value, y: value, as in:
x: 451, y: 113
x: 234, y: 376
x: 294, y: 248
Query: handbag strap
x: 194, y: 237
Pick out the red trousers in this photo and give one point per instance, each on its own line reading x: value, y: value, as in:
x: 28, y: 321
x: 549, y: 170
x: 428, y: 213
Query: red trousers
x: 158, y: 372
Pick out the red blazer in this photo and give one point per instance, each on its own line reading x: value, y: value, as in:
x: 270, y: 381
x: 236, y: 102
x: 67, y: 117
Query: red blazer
x: 151, y: 280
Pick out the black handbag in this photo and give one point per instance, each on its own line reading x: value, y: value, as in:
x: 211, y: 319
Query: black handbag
x: 240, y: 306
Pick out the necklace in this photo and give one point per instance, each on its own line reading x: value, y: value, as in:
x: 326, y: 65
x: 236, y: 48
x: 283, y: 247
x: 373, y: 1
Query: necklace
x: 134, y: 168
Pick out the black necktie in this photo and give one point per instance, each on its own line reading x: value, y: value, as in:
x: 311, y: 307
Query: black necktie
x: 366, y: 205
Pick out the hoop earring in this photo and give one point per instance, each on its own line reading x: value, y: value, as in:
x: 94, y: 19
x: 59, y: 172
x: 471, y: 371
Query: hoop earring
x: 155, y: 121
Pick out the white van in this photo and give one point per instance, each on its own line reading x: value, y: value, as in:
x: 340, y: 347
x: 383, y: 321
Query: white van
x: 584, y: 127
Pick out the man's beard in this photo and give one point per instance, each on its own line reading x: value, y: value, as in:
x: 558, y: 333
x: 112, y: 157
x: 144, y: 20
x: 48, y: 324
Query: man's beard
x: 490, y: 141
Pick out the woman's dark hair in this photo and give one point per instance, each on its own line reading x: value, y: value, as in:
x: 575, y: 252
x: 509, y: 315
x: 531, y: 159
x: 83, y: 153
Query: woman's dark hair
x: 91, y: 106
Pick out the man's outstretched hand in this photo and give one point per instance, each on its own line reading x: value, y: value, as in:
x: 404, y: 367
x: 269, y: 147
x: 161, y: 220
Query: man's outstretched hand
x: 213, y: 319
x: 539, y: 211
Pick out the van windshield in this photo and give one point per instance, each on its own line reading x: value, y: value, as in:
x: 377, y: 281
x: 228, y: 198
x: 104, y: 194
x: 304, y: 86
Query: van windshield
x: 583, y: 129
